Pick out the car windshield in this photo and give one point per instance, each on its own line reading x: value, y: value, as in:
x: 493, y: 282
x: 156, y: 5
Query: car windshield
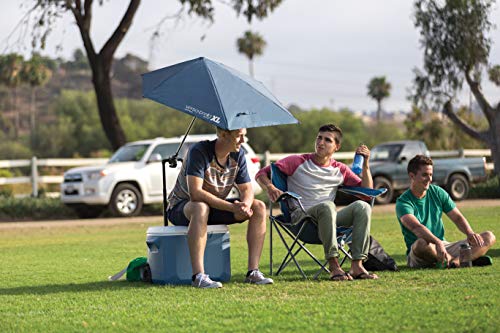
x: 168, y: 149
x: 131, y: 153
x: 385, y: 152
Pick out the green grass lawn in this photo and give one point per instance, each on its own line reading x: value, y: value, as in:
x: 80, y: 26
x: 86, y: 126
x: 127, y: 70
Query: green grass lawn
x: 55, y: 279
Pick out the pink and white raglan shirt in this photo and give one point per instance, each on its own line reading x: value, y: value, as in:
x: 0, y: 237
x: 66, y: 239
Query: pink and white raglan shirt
x: 314, y: 183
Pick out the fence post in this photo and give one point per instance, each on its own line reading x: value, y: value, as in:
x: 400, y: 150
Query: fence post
x: 34, y: 178
x: 267, y: 158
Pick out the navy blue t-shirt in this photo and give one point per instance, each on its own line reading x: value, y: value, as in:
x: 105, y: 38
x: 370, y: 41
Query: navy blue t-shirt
x: 218, y: 179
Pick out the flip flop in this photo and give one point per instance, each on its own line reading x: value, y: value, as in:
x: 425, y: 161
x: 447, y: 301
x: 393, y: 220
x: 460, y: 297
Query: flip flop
x: 483, y: 261
x: 337, y: 277
x: 364, y: 276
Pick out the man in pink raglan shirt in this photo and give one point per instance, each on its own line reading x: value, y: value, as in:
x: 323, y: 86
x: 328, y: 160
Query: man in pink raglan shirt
x: 316, y: 178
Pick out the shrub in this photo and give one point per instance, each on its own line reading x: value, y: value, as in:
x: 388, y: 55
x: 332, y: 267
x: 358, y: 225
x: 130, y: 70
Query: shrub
x: 13, y: 150
x: 5, y: 190
x: 489, y: 189
x: 28, y: 208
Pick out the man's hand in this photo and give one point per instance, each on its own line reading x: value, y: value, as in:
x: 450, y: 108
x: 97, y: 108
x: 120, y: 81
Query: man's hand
x: 242, y: 210
x: 363, y: 150
x: 475, y: 240
x: 273, y: 193
x: 443, y: 257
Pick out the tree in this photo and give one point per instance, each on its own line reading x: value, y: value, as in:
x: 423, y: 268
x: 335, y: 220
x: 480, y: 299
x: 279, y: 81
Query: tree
x: 79, y: 61
x: 11, y: 66
x: 36, y: 74
x: 454, y: 37
x: 379, y: 89
x: 100, y: 61
x: 251, y: 44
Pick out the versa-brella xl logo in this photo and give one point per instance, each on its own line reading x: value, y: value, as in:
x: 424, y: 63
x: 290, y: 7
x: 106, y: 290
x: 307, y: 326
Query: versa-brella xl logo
x: 206, y: 115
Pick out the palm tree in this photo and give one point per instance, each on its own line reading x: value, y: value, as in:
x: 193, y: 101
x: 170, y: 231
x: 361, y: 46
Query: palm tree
x: 10, y: 75
x: 36, y: 74
x: 251, y: 44
x: 378, y: 89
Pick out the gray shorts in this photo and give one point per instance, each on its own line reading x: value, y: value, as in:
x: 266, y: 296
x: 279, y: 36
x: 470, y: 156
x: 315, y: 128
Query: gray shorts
x: 416, y: 262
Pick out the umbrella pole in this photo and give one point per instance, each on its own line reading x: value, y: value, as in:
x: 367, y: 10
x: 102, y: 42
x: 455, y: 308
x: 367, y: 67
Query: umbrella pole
x: 172, y: 162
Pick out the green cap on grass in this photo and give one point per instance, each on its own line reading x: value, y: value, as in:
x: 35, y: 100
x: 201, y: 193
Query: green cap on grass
x: 135, y: 268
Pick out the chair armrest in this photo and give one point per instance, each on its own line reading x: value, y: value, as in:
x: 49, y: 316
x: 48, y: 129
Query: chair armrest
x: 290, y: 201
x: 363, y: 193
x: 288, y: 195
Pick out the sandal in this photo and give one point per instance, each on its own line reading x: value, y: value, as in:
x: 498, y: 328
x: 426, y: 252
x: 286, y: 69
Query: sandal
x: 365, y: 276
x: 341, y: 277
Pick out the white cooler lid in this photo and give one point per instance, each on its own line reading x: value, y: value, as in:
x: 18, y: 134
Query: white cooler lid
x: 181, y: 230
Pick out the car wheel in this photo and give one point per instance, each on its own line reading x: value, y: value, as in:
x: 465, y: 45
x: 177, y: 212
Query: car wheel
x: 86, y: 211
x: 126, y: 200
x: 458, y: 187
x: 388, y: 196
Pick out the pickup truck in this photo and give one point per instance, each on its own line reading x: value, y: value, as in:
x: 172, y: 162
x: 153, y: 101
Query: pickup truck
x: 388, y: 163
x: 133, y: 177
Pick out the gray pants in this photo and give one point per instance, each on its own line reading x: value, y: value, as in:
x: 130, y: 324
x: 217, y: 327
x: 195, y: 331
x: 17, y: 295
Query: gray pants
x: 357, y: 215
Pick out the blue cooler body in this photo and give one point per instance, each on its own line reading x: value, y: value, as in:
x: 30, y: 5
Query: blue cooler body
x: 168, y: 254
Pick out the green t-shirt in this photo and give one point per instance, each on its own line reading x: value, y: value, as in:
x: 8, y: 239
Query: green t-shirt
x: 428, y: 211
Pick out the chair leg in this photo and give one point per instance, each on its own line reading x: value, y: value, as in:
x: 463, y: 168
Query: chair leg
x: 290, y: 259
x: 271, y: 222
x: 285, y: 261
x: 323, y: 268
x: 289, y: 249
x: 302, y: 247
x: 347, y: 255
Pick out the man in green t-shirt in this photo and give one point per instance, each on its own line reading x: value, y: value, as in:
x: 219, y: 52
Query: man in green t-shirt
x: 419, y: 211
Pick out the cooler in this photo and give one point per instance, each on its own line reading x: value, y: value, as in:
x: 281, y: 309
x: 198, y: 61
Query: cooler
x: 168, y: 254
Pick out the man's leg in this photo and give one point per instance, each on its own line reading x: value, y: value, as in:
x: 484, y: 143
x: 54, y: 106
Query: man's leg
x: 325, y: 215
x: 489, y: 240
x: 358, y: 216
x: 197, y: 213
x: 256, y: 233
x: 454, y: 248
x: 422, y: 254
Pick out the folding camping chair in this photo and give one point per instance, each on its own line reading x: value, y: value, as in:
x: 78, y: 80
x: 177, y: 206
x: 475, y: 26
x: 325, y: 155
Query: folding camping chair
x: 305, y: 231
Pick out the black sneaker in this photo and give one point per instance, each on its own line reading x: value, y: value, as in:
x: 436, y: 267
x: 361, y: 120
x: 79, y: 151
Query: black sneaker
x: 483, y: 261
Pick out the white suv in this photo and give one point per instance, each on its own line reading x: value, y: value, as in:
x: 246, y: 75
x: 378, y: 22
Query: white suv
x: 133, y: 177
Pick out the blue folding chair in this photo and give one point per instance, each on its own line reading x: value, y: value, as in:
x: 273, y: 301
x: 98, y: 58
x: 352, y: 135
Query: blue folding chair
x: 305, y: 231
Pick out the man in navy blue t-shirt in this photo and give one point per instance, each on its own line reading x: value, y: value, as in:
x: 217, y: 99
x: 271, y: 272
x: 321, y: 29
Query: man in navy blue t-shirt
x: 210, y: 171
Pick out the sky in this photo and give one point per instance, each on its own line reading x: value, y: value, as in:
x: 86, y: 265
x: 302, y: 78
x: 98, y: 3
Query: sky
x: 319, y: 53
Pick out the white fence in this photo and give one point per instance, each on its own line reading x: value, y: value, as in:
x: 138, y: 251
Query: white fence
x: 34, y: 179
x: 35, y: 163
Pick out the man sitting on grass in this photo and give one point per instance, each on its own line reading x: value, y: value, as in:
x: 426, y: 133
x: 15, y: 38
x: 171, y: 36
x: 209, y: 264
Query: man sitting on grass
x: 419, y: 211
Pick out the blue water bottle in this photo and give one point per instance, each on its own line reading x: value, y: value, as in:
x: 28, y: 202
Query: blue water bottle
x: 357, y: 164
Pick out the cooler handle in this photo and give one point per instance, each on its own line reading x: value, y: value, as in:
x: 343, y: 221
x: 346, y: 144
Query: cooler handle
x: 153, y: 244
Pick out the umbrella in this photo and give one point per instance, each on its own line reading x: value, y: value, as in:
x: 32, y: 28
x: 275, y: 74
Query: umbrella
x: 215, y: 93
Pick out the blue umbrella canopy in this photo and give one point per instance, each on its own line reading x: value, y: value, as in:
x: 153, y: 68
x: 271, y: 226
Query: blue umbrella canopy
x: 215, y: 93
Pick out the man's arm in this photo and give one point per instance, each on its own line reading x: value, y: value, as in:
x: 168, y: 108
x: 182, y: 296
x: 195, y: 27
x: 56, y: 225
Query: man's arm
x: 246, y: 200
x: 272, y: 192
x: 463, y: 225
x: 412, y: 224
x: 366, y: 175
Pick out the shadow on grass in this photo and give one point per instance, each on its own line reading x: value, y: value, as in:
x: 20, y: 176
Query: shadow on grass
x: 73, y: 288
x: 310, y: 268
x: 493, y: 253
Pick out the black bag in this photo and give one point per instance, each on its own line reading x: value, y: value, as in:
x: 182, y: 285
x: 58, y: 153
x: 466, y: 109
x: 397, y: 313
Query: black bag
x: 378, y: 259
